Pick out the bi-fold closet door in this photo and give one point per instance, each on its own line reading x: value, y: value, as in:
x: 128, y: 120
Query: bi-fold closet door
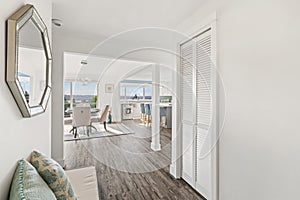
x: 198, y: 111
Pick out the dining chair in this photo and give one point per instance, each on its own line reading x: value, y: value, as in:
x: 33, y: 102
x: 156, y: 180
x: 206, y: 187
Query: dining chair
x: 163, y: 117
x: 103, y: 117
x: 81, y: 118
x: 143, y: 112
x: 148, y: 114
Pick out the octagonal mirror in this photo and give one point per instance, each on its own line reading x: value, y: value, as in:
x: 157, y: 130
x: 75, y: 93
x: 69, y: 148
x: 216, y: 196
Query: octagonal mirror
x: 28, y: 61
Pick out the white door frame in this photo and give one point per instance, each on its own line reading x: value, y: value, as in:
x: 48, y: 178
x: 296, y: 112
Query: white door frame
x: 176, y: 165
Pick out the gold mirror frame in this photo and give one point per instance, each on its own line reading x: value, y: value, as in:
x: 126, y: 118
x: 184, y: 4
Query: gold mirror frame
x: 14, y: 23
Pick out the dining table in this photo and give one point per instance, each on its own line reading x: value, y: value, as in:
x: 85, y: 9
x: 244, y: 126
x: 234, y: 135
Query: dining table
x: 93, y: 111
x: 69, y: 111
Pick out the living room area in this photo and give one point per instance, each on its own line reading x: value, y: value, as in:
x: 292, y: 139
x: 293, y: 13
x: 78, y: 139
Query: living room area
x: 121, y: 149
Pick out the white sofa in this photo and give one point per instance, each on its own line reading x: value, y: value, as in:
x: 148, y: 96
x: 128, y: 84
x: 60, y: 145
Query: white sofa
x: 84, y: 182
x: 39, y: 176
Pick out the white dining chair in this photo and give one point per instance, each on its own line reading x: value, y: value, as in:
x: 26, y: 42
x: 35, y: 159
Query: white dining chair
x: 103, y: 117
x: 81, y: 117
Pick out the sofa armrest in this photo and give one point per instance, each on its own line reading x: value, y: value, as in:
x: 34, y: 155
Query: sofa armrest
x: 84, y: 182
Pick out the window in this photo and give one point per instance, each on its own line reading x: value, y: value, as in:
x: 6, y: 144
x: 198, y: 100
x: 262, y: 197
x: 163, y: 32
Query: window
x: 84, y: 93
x: 24, y: 81
x: 148, y: 93
x: 135, y: 92
x: 122, y: 92
x: 67, y: 100
x: 80, y: 92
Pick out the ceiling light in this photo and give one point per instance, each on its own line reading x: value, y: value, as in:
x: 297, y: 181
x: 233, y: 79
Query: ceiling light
x: 84, y: 62
x: 57, y: 22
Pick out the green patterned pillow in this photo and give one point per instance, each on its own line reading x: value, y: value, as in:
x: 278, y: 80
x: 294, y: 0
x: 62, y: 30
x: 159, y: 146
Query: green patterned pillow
x: 28, y: 184
x: 54, y: 175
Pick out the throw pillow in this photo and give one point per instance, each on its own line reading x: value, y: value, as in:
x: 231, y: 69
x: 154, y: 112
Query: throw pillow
x: 54, y: 175
x: 28, y: 184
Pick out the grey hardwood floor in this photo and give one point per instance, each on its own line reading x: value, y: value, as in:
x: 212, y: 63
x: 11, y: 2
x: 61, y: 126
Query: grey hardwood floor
x: 127, y: 168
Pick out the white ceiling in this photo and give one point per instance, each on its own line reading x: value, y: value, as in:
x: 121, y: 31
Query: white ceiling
x: 103, y: 18
x: 99, y: 19
x: 99, y: 66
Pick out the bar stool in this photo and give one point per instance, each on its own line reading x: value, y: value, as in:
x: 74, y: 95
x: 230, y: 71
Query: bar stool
x: 148, y: 114
x: 143, y: 113
x: 163, y: 117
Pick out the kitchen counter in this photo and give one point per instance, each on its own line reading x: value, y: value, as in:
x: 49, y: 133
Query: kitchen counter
x: 134, y: 101
x: 131, y: 110
x: 146, y: 102
x: 165, y: 104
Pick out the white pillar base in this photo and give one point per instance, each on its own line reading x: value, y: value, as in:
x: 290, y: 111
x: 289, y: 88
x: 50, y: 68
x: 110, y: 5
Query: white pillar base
x: 175, y: 172
x: 155, y: 147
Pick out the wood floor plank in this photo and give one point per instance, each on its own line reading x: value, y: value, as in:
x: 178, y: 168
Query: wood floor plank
x: 127, y: 168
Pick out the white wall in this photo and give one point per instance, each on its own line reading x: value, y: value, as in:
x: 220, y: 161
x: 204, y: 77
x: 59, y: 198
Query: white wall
x: 19, y: 136
x: 61, y: 45
x: 166, y: 74
x: 114, y: 75
x: 258, y: 58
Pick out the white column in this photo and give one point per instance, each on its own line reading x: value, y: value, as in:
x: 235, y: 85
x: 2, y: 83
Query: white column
x: 57, y: 116
x: 155, y: 142
x: 71, y: 94
x: 116, y: 104
x: 98, y: 105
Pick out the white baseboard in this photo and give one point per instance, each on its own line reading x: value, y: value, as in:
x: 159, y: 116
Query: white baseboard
x: 173, y: 172
x: 188, y: 179
x: 202, y: 191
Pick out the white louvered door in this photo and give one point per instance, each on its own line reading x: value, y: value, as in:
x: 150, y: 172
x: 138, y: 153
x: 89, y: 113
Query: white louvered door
x: 205, y: 96
x: 188, y: 112
x: 198, y: 112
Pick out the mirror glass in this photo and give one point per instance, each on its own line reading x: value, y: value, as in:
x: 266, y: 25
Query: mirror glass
x: 31, y: 63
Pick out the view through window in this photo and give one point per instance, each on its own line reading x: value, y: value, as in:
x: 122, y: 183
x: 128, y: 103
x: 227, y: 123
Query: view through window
x: 135, y: 92
x: 79, y: 92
